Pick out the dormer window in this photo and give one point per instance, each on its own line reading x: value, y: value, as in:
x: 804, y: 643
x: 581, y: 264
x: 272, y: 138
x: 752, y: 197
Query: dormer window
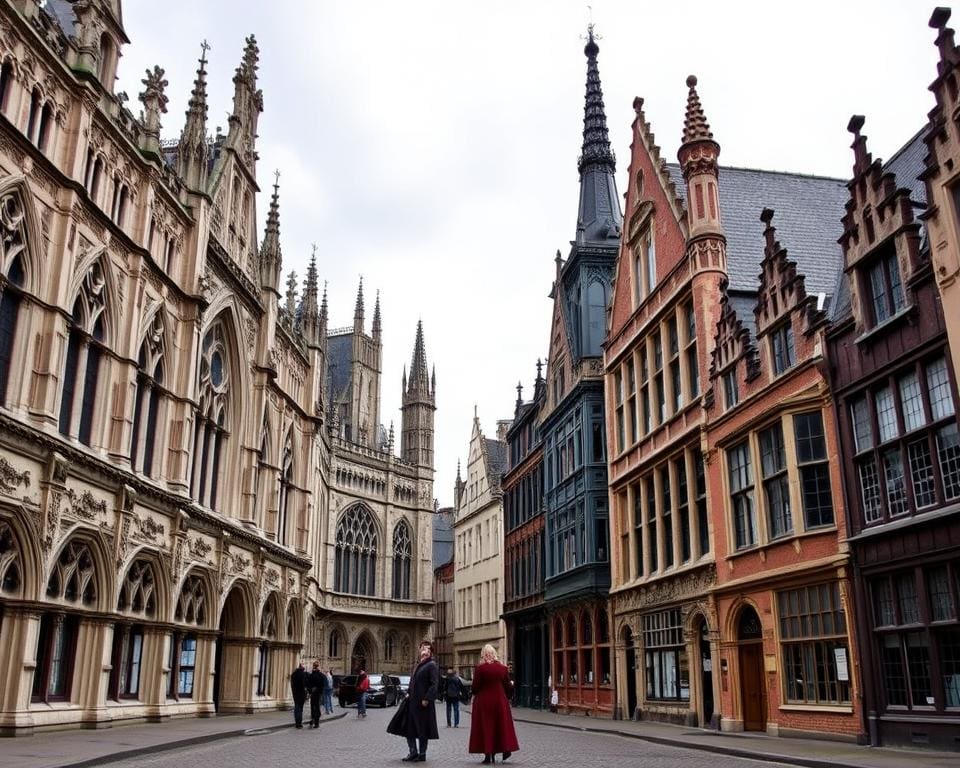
x: 105, y: 72
x: 782, y: 349
x: 644, y: 267
x: 885, y: 287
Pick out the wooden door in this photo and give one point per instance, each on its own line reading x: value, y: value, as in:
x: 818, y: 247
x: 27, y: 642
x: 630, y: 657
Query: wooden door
x: 751, y: 687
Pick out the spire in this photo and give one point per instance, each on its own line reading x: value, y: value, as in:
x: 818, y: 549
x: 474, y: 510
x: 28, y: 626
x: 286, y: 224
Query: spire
x: 596, y: 141
x: 192, y: 150
x: 310, y: 321
x: 270, y: 258
x: 599, y: 218
x: 323, y: 311
x: 291, y: 305
x: 358, y: 309
x: 247, y: 104
x: 695, y: 125
x: 519, y: 395
x: 376, y: 318
x: 419, y: 381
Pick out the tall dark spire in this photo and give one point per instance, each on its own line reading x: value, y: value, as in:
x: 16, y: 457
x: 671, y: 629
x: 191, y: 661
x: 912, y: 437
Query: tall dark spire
x: 596, y: 142
x: 376, y: 330
x: 270, y: 258
x: 599, y: 218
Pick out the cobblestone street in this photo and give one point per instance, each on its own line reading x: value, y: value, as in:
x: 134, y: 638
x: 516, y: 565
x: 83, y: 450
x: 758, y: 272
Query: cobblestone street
x: 352, y: 742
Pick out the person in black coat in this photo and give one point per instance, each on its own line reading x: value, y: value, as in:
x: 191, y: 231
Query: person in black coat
x: 316, y: 682
x: 298, y: 687
x: 421, y: 695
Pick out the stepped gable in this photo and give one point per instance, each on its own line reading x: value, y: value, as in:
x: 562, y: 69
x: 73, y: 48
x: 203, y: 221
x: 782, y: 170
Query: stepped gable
x: 808, y: 218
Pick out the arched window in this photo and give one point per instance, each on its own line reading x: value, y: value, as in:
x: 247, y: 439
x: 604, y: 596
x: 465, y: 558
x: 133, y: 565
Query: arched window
x: 72, y: 582
x: 11, y: 565
x: 14, y: 246
x: 84, y: 350
x: 333, y: 644
x: 147, y: 400
x: 45, y: 127
x: 6, y: 78
x: 192, y: 603
x: 137, y: 598
x: 105, y: 70
x: 390, y: 647
x: 34, y: 117
x: 210, y: 433
x: 120, y: 199
x: 402, y: 554
x: 286, y: 492
x: 94, y: 178
x: 356, y: 556
x: 586, y: 629
x: 268, y: 632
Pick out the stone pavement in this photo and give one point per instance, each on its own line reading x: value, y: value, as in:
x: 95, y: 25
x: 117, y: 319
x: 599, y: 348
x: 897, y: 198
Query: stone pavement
x: 814, y: 753
x: 78, y: 748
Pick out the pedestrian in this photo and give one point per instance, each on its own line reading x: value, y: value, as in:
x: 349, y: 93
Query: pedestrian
x: 315, y: 682
x: 298, y: 687
x: 328, y: 693
x: 421, y: 695
x: 491, y: 722
x: 363, y: 685
x: 452, y: 691
x: 554, y: 700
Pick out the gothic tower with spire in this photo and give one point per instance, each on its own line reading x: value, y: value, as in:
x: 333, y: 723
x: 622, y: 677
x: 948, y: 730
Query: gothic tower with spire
x: 419, y: 404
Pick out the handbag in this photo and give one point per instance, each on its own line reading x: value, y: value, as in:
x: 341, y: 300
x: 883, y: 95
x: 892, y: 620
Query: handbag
x: 398, y: 723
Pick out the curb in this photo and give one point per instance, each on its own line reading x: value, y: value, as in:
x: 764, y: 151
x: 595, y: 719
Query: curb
x: 770, y: 757
x: 168, y: 746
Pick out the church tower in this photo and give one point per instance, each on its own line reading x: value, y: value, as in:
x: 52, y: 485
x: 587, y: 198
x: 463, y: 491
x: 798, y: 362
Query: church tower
x: 419, y: 403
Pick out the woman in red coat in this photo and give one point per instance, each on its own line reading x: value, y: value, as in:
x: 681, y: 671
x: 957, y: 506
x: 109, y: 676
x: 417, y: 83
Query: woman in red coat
x: 491, y: 722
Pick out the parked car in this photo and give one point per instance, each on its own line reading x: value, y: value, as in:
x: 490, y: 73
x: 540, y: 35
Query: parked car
x: 381, y: 693
x: 336, y: 684
x: 403, y: 683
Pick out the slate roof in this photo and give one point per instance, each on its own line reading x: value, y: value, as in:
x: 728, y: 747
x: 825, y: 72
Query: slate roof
x: 496, y: 462
x: 62, y: 12
x: 443, y: 536
x: 744, y: 305
x: 807, y: 211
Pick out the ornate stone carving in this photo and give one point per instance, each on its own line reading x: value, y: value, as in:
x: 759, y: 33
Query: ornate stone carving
x: 199, y: 549
x: 128, y: 499
x: 86, y: 505
x: 11, y: 478
x: 686, y: 586
x: 149, y: 529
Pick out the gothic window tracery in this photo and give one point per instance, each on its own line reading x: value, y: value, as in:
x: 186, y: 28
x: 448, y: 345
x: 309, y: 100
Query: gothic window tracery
x: 13, y: 248
x: 192, y: 603
x: 148, y: 399
x: 356, y: 552
x: 84, y: 352
x: 402, y: 555
x: 138, y: 595
x: 210, y: 433
x: 74, y: 577
x: 11, y: 566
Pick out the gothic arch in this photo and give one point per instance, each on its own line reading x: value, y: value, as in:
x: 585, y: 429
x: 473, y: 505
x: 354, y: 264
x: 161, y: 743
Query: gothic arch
x: 141, y: 585
x: 102, y: 280
x: 78, y: 573
x: 225, y: 309
x: 271, y: 623
x: 731, y: 623
x: 340, y: 631
x: 21, y: 215
x: 192, y: 602
x: 28, y: 554
x: 357, y: 542
x: 293, y: 621
x: 364, y: 652
x: 238, y: 611
x: 402, y: 559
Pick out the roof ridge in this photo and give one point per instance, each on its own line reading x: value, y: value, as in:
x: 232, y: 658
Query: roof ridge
x: 797, y: 174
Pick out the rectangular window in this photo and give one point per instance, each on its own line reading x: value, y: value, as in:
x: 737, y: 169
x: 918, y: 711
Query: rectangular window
x: 869, y: 490
x: 938, y: 389
x: 632, y: 401
x: 703, y: 523
x: 814, y: 469
x: 948, y: 453
x: 652, y: 539
x: 731, y: 395
x: 921, y: 472
x: 776, y: 483
x: 813, y: 634
x: 895, y: 481
x: 667, y: 664
x: 942, y: 607
x: 638, y: 526
x: 784, y: 357
x: 693, y: 366
x: 187, y: 663
x: 886, y: 288
x: 862, y: 428
x: 741, y: 495
x: 667, y: 516
x: 618, y: 395
x: 886, y: 414
x: 683, y: 508
x: 675, y: 382
x: 911, y: 401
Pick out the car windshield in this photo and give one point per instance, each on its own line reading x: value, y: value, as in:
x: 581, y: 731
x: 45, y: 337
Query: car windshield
x: 375, y: 679
x: 404, y: 679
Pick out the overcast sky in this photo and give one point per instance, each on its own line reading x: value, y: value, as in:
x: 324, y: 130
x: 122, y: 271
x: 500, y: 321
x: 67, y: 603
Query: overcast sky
x: 432, y: 146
